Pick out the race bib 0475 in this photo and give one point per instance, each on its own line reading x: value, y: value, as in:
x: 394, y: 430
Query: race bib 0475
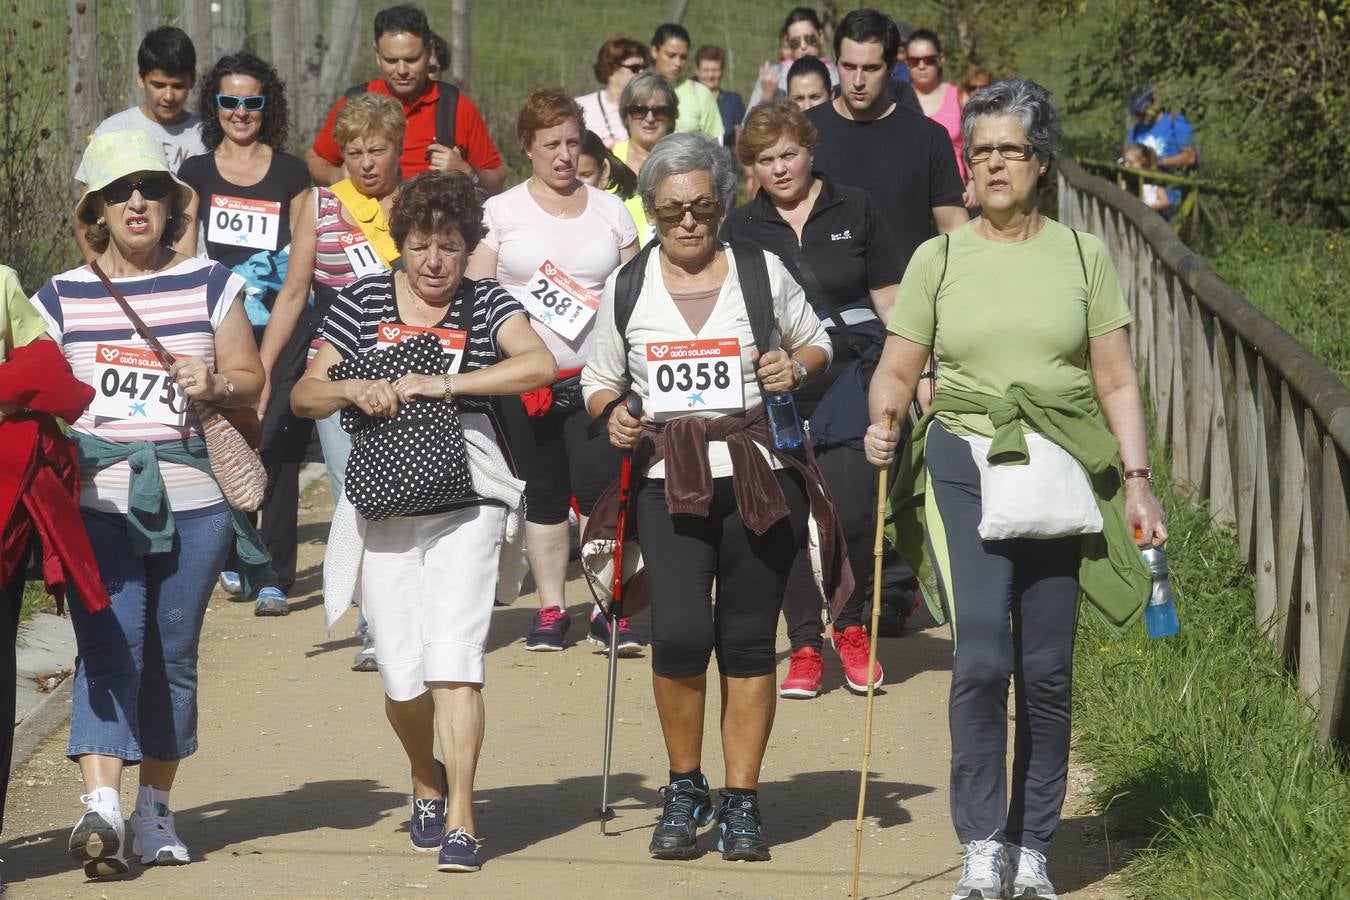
x: 131, y: 383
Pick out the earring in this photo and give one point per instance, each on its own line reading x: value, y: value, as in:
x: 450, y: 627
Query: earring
x: 101, y: 221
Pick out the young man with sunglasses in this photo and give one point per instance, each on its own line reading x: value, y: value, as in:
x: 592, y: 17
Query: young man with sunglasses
x: 446, y: 131
x: 166, y: 67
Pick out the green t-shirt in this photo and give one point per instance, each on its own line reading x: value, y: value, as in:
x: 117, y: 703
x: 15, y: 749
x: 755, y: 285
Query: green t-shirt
x: 698, y: 110
x: 20, y: 323
x: 1009, y: 312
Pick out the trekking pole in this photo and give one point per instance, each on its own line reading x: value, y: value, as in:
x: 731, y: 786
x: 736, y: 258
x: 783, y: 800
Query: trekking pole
x: 886, y: 421
x: 634, y: 407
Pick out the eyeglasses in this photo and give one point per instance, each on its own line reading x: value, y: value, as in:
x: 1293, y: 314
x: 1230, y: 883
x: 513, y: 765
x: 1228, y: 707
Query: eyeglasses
x: 704, y: 210
x: 635, y: 68
x: 973, y: 87
x: 809, y: 40
x: 153, y: 187
x: 915, y: 61
x: 231, y: 102
x: 639, y: 111
x: 981, y: 152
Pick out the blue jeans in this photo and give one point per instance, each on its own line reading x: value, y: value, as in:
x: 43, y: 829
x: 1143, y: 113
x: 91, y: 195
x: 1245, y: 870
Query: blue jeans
x: 135, y: 691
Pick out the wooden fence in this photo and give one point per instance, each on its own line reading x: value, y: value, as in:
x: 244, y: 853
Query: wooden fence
x: 1257, y: 428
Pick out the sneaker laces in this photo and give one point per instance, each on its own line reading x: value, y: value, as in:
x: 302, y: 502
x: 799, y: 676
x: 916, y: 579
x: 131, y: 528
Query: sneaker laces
x: 424, y: 808
x: 979, y: 860
x: 853, y: 640
x: 1031, y: 863
x: 550, y: 615
x: 462, y: 838
x: 680, y: 799
x: 804, y: 663
x: 740, y: 815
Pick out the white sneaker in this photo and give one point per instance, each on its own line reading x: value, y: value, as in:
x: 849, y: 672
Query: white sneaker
x: 982, y: 872
x: 1026, y: 874
x: 156, y: 842
x: 98, y: 841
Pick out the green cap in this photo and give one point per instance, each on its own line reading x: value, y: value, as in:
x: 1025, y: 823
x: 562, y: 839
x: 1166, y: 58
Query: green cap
x: 117, y: 154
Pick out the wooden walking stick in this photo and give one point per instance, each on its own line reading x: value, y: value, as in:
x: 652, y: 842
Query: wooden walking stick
x: 886, y: 421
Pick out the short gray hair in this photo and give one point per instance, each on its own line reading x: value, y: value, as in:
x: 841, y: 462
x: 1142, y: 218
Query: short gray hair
x: 643, y: 88
x: 1019, y: 97
x: 676, y: 154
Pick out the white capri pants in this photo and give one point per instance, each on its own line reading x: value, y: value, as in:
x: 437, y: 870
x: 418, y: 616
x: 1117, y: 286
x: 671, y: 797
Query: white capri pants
x: 427, y: 585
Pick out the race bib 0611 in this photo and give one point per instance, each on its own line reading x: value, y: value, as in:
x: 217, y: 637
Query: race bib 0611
x: 244, y: 223
x: 453, y: 340
x: 130, y: 383
x: 559, y: 301
x: 694, y: 376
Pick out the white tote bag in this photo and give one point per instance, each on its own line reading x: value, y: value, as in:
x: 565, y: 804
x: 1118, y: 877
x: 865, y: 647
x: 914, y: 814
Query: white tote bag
x: 1048, y: 497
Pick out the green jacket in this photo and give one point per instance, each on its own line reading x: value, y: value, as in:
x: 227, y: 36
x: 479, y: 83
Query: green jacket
x: 149, y: 517
x: 1113, y: 577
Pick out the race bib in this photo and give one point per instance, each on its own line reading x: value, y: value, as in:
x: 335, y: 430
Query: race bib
x: 452, y: 340
x: 361, y: 255
x: 244, y: 223
x: 556, y: 299
x: 693, y: 376
x: 131, y: 383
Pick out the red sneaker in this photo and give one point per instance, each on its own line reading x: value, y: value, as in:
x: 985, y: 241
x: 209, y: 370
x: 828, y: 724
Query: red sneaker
x: 805, y: 667
x: 852, y: 646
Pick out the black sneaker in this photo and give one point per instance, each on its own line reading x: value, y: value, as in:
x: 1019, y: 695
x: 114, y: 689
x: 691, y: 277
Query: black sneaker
x: 688, y: 806
x: 629, y: 643
x: 740, y: 834
x: 550, y: 627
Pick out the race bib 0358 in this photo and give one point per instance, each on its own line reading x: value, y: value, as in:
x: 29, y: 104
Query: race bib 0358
x: 694, y: 376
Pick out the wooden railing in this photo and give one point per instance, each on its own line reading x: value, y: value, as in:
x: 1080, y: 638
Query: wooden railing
x: 1256, y: 427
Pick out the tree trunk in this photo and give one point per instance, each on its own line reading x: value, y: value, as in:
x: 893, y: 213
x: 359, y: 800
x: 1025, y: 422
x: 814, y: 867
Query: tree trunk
x: 676, y: 12
x: 82, y: 74
x: 197, y: 24
x: 145, y: 15
x: 328, y: 65
x: 459, y: 37
x: 227, y: 31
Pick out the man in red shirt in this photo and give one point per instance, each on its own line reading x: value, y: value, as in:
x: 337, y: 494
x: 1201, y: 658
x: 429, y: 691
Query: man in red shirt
x: 402, y: 42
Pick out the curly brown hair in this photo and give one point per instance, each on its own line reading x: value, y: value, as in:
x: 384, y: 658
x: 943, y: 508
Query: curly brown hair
x: 614, y: 51
x: 434, y: 202
x: 769, y: 122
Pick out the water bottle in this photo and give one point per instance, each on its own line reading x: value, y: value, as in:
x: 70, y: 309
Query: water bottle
x: 1160, y: 616
x: 783, y: 422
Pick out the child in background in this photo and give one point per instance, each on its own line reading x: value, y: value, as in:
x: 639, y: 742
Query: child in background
x: 1155, y: 196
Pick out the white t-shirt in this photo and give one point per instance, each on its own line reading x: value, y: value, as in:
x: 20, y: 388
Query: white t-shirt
x: 586, y: 248
x: 179, y: 141
x: 656, y: 319
x: 604, y: 118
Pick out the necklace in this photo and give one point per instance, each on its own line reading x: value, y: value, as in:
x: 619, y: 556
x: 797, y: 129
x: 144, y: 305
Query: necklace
x: 565, y: 210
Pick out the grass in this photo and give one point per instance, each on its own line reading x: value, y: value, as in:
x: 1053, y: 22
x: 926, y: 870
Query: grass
x: 1203, y: 754
x: 35, y: 600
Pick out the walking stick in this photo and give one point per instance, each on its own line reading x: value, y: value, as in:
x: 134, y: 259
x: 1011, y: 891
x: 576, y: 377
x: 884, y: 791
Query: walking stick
x: 634, y: 407
x: 886, y: 421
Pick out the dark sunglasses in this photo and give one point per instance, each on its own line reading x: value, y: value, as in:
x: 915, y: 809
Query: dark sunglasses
x: 915, y: 61
x: 231, y: 102
x: 981, y: 152
x: 809, y: 40
x: 635, y: 68
x: 704, y: 210
x: 153, y: 187
x: 639, y: 111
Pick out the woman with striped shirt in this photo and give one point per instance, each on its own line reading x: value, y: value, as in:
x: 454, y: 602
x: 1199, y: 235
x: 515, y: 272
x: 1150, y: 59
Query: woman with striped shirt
x: 156, y: 518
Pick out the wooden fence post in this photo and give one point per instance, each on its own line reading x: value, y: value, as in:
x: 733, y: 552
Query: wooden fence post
x: 459, y: 43
x: 145, y: 15
x: 82, y: 74
x: 197, y: 24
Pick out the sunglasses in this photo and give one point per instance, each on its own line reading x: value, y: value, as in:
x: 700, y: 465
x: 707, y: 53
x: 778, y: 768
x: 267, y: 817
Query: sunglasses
x: 635, y: 68
x: 639, y: 111
x: 809, y: 40
x: 154, y: 187
x: 915, y: 61
x: 231, y: 102
x: 704, y: 210
x: 981, y: 152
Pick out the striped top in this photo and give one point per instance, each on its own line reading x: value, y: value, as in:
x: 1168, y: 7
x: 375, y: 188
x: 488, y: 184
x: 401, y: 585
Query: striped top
x: 364, y: 305
x: 332, y: 266
x: 183, y: 305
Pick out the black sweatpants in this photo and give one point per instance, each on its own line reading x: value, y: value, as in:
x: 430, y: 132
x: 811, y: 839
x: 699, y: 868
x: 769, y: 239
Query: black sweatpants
x: 1013, y: 607
x: 11, y: 600
x: 685, y: 555
x: 557, y: 460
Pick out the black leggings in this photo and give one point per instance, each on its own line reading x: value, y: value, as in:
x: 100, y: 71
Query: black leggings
x: 685, y: 555
x: 557, y: 460
x: 11, y: 600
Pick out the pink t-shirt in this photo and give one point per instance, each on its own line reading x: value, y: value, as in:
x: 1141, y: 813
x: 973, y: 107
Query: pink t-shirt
x: 586, y: 248
x: 949, y: 117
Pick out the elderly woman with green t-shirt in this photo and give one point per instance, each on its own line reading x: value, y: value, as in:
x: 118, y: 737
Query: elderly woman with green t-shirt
x: 1028, y: 477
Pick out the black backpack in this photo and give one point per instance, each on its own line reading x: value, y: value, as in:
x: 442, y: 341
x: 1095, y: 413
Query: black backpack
x: 447, y: 104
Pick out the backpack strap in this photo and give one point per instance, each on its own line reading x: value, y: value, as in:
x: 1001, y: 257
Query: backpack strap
x: 946, y: 251
x: 627, y: 287
x: 356, y: 90
x: 753, y: 273
x: 447, y: 105
x: 1081, y: 261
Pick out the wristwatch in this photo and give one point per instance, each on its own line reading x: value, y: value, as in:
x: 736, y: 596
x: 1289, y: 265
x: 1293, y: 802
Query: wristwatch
x: 800, y: 368
x: 229, y: 389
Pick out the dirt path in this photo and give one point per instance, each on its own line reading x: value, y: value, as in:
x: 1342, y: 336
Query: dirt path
x: 299, y: 787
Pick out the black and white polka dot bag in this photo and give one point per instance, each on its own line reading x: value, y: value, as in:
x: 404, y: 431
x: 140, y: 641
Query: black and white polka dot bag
x: 415, y: 462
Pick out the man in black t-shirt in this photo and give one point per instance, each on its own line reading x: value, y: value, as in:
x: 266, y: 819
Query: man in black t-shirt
x: 901, y: 158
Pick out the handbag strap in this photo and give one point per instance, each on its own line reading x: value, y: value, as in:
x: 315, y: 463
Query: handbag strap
x: 814, y: 288
x: 137, y: 322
